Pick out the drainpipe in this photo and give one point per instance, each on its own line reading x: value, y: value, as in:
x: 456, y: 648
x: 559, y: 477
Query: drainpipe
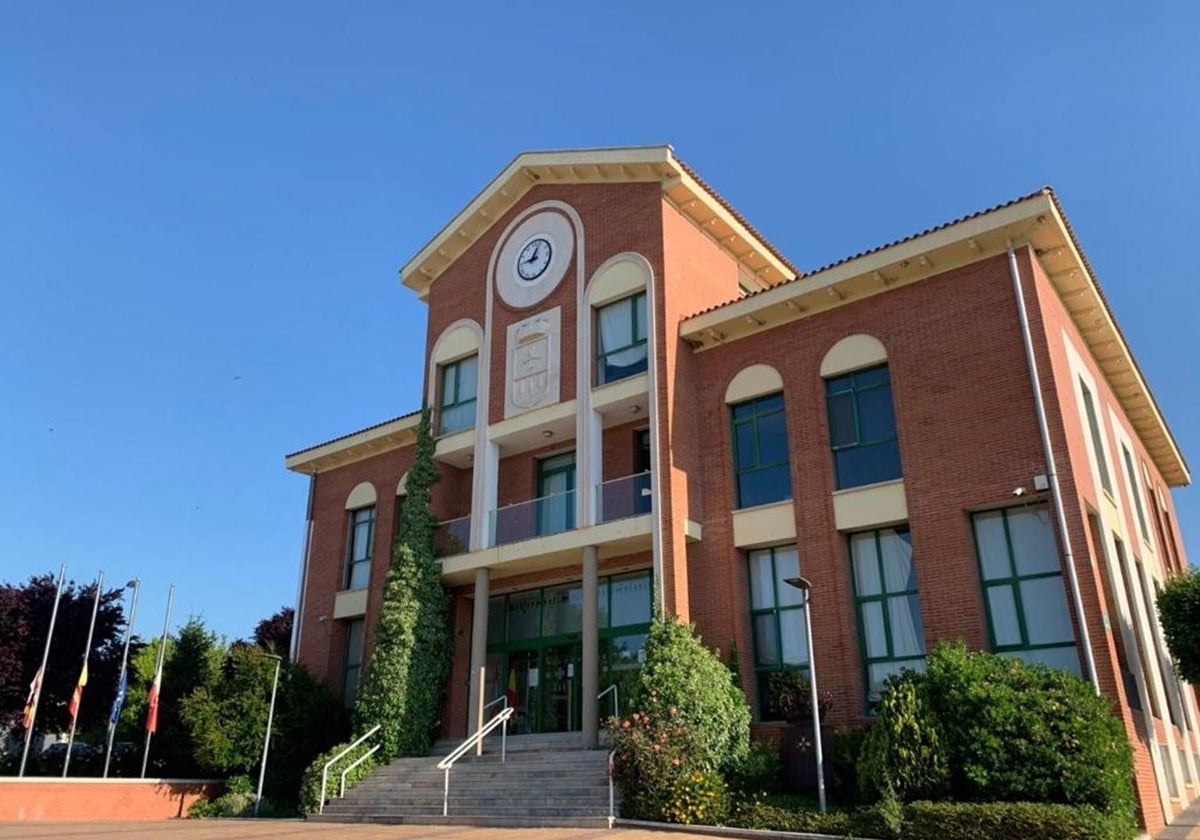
x: 659, y: 583
x: 1052, y: 471
x: 302, y: 589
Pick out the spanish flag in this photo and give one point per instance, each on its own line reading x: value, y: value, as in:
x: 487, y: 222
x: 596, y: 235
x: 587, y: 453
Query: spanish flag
x: 77, y: 695
x: 31, y: 703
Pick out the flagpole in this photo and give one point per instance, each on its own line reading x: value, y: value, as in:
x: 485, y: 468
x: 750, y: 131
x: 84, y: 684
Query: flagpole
x: 77, y: 697
x: 41, y: 674
x: 122, y: 681
x: 162, y: 653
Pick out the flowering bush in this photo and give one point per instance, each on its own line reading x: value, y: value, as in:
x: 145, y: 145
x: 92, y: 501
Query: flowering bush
x: 699, y: 797
x: 654, y: 753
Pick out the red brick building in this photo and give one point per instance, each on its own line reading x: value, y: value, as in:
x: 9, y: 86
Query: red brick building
x: 638, y: 397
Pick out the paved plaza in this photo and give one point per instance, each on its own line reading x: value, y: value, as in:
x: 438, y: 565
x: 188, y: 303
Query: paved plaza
x: 272, y: 829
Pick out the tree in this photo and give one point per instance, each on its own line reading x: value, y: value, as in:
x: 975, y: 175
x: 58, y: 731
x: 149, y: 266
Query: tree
x: 402, y: 682
x: 274, y: 634
x: 1179, y: 610
x: 25, y: 618
x: 193, y: 660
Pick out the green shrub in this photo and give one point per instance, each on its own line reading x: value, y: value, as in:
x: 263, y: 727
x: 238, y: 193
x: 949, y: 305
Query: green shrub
x: 310, y: 783
x: 1009, y: 820
x: 862, y: 822
x: 685, y: 675
x: 1026, y: 733
x: 902, y: 753
x: 842, y: 767
x: 760, y: 770
x: 203, y: 809
x: 1179, y: 608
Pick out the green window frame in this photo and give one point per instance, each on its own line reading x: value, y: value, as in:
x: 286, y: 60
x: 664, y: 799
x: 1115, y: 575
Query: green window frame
x: 459, y: 390
x: 891, y: 634
x: 862, y: 427
x: 1093, y: 422
x: 762, y: 471
x: 1023, y: 590
x: 359, y: 544
x: 625, y: 353
x: 777, y: 620
x: 352, y: 660
x: 1135, y: 490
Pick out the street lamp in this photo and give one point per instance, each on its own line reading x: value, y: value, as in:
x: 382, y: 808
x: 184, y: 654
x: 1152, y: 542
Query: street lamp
x: 806, y: 589
x: 262, y: 771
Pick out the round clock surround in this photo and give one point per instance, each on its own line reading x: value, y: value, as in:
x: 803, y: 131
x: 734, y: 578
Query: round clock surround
x: 534, y: 257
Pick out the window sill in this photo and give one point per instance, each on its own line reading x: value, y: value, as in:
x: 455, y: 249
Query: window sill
x: 763, y: 525
x: 870, y: 506
x: 860, y: 487
x: 350, y: 603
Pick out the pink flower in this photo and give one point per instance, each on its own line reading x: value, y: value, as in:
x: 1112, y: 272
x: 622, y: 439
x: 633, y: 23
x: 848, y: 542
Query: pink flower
x: 624, y: 724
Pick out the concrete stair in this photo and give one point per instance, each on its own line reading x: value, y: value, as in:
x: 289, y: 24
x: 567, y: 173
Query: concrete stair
x: 547, y: 781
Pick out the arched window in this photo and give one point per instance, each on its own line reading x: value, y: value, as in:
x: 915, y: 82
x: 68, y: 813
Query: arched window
x: 761, y: 468
x: 360, y: 537
x: 862, y: 421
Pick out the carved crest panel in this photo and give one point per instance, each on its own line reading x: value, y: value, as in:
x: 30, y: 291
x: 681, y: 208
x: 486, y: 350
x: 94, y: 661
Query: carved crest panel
x: 533, y: 370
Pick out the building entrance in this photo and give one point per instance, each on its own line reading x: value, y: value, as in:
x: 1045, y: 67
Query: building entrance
x: 535, y: 652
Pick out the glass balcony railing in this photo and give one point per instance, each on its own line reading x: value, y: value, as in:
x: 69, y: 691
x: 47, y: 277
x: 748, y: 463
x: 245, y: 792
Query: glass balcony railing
x: 623, y: 497
x: 452, y: 537
x: 536, y: 518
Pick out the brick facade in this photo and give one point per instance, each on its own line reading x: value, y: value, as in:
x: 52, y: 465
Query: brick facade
x: 965, y: 419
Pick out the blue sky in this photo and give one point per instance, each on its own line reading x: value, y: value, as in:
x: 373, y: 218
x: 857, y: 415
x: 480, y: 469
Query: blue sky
x: 203, y: 207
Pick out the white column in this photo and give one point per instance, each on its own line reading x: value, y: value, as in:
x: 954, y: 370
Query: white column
x: 484, y: 485
x: 479, y: 627
x: 591, y: 650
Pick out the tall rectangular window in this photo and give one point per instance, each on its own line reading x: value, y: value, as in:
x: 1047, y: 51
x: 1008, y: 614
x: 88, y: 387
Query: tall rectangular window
x: 1137, y: 613
x: 1023, y: 587
x: 760, y: 452
x: 621, y: 339
x: 777, y: 618
x: 358, y: 549
x: 889, y: 612
x: 1135, y: 490
x: 352, y: 661
x: 1097, y: 440
x: 555, y: 506
x: 862, y: 428
x: 456, y: 406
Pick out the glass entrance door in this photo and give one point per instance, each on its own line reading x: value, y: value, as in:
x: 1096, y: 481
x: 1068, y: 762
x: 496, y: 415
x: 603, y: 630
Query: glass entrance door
x: 560, y: 689
x: 543, y: 687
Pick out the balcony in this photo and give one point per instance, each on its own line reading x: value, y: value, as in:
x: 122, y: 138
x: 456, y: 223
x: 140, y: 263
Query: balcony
x: 452, y: 537
x: 621, y: 498
x: 540, y: 517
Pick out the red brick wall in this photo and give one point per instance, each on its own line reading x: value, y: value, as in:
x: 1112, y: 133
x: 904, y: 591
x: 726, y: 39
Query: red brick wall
x: 1054, y: 329
x: 968, y: 436
x: 95, y: 799
x: 696, y: 274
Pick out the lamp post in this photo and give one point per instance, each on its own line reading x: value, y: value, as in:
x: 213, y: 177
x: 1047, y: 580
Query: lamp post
x: 806, y: 589
x: 262, y: 771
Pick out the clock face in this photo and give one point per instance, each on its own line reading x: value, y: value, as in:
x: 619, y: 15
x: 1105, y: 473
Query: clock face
x: 534, y: 259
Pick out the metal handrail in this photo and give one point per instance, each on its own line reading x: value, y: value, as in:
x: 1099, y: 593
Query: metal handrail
x: 616, y: 699
x: 481, y: 733
x: 503, y: 698
x: 612, y: 816
x: 357, y: 761
x: 338, y: 757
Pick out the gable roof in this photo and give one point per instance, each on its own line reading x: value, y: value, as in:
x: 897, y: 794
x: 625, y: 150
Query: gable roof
x: 680, y: 185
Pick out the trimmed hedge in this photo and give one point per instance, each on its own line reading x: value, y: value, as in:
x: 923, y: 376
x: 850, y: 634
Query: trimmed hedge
x: 942, y: 821
x: 310, y: 784
x: 1009, y: 820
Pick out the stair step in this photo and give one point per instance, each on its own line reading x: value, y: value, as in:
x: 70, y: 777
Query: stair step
x: 476, y: 821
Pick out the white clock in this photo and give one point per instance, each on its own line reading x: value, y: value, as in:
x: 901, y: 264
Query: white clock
x: 534, y: 258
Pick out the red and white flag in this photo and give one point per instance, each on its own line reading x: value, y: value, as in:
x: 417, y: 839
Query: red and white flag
x: 35, y: 688
x: 152, y: 702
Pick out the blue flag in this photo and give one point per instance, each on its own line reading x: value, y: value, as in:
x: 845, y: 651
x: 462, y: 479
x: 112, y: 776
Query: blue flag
x: 118, y: 701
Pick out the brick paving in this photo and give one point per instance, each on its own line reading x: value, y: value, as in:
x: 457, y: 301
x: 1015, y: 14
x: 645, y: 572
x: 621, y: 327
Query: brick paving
x: 272, y: 829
